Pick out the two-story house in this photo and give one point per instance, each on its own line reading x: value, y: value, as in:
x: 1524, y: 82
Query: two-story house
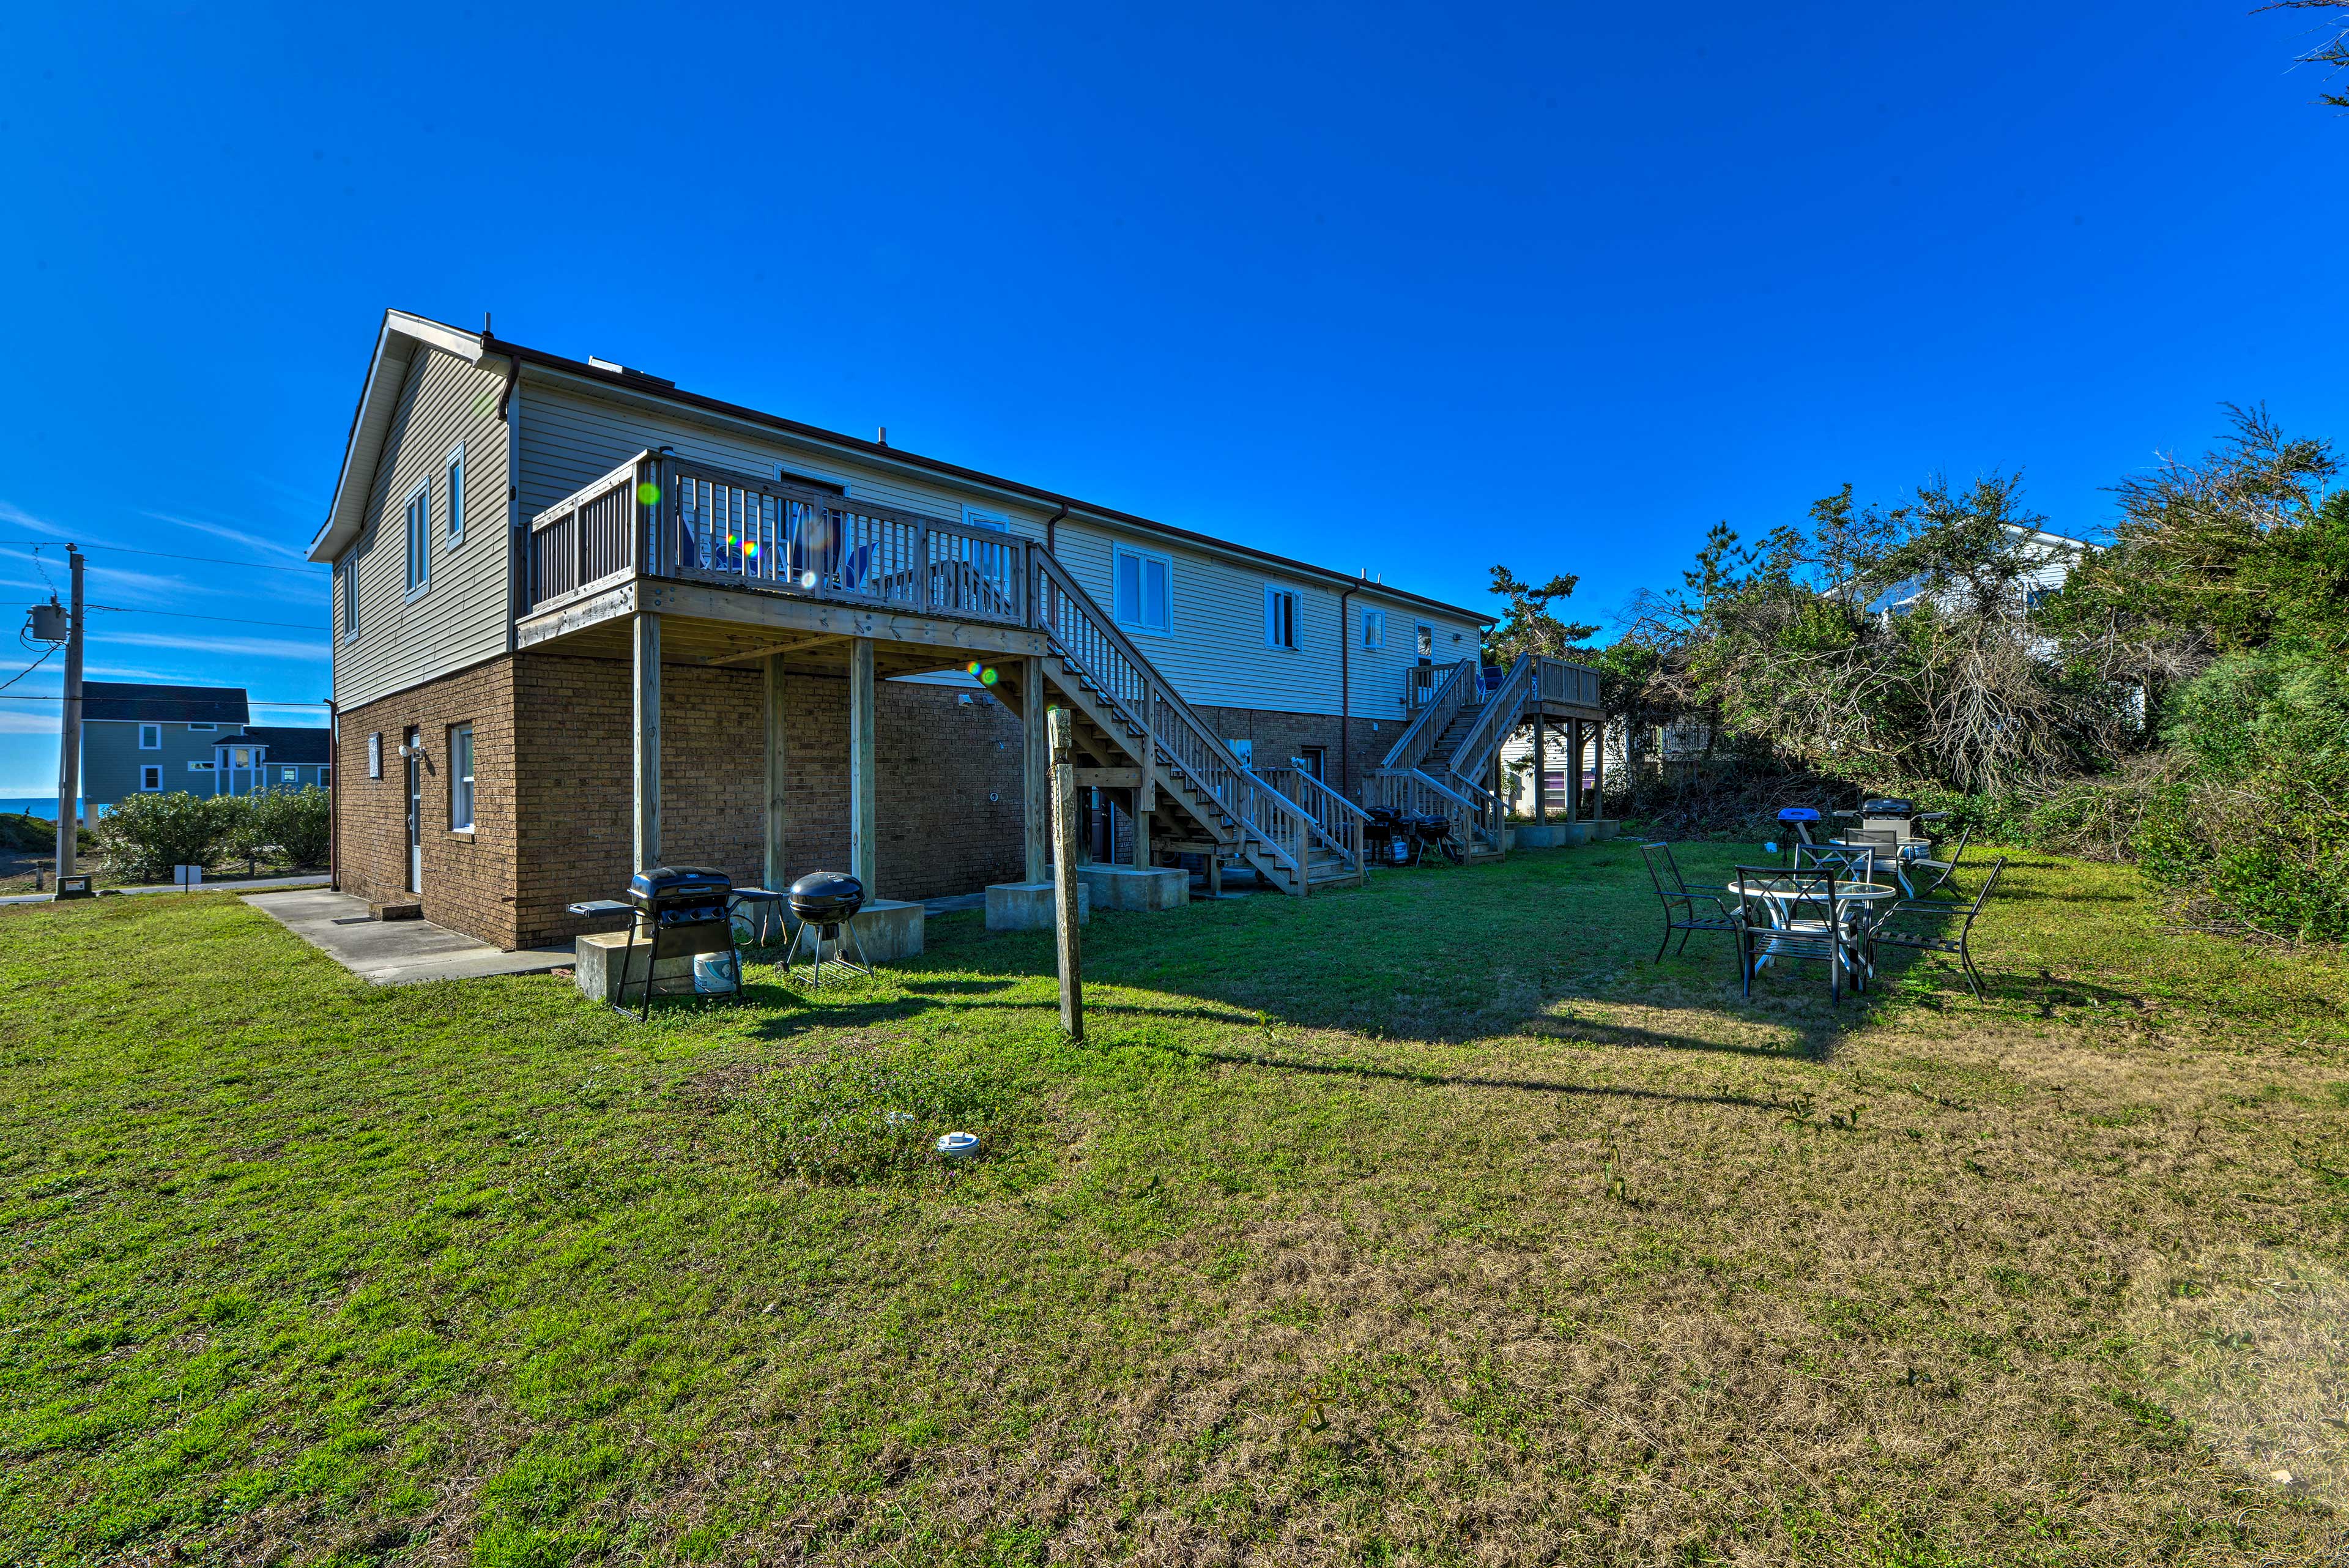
x: 145, y: 739
x: 587, y: 621
x: 261, y: 758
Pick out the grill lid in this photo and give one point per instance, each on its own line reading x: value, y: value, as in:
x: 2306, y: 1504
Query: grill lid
x: 664, y: 883
x: 826, y: 895
x: 1889, y: 806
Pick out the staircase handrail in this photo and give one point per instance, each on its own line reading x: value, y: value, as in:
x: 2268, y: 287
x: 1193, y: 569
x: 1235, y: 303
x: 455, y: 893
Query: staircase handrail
x: 1427, y: 726
x: 1502, y: 710
x: 1078, y: 633
x: 1336, y: 821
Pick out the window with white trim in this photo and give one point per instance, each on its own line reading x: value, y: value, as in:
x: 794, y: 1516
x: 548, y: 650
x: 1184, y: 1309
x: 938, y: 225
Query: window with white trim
x: 151, y: 776
x: 351, y: 592
x: 456, y: 468
x: 204, y: 726
x: 1144, y: 596
x: 973, y: 517
x: 419, y: 539
x: 1375, y: 628
x: 199, y: 764
x: 375, y: 755
x: 326, y: 778
x: 461, y: 778
x: 151, y: 737
x: 1279, y: 618
x: 288, y: 775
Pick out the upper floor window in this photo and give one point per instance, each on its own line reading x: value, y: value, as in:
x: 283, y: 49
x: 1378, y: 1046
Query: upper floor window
x: 461, y: 778
x: 973, y: 517
x: 1279, y: 618
x: 351, y: 593
x: 1423, y: 638
x: 456, y: 494
x: 1375, y: 628
x: 419, y: 533
x: 151, y: 737
x: 1144, y: 590
x: 204, y: 726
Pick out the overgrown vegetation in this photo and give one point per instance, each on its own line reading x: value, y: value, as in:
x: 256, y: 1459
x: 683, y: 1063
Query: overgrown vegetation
x: 2178, y: 696
x: 144, y: 836
x: 1476, y: 1238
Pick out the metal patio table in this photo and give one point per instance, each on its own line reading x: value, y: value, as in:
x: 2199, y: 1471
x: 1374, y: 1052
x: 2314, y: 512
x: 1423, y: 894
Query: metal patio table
x: 1777, y: 894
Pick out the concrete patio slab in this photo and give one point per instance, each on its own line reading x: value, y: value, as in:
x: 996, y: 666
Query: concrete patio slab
x: 395, y: 952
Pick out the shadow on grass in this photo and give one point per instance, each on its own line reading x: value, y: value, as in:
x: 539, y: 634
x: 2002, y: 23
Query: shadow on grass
x: 1447, y: 1080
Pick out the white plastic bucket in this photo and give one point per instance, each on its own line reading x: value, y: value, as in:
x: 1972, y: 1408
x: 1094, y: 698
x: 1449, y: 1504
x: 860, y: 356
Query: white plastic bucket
x: 713, y: 974
x: 957, y: 1145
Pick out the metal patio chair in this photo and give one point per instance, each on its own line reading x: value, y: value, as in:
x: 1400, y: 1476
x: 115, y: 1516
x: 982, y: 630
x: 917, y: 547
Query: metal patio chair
x: 1930, y: 876
x: 1902, y: 926
x: 1808, y: 922
x: 1850, y: 863
x: 1688, y: 907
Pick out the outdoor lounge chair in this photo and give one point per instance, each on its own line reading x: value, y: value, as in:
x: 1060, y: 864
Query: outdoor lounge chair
x: 1930, y: 876
x: 1807, y: 921
x: 1903, y: 926
x: 1688, y: 907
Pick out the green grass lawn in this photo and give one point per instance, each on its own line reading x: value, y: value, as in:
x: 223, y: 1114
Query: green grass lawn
x: 1430, y: 1224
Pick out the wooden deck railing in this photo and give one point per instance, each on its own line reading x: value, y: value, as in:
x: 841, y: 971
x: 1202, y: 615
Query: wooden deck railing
x: 1444, y: 701
x: 1337, y: 822
x: 1504, y: 705
x: 1563, y: 681
x: 1097, y: 653
x: 673, y: 518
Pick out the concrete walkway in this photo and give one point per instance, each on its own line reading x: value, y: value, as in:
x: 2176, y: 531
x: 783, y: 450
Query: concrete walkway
x: 242, y: 885
x: 395, y: 952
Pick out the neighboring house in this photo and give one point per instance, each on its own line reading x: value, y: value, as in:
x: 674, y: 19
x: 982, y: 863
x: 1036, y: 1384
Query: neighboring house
x: 2051, y: 558
x: 141, y: 739
x: 586, y: 622
x: 255, y: 760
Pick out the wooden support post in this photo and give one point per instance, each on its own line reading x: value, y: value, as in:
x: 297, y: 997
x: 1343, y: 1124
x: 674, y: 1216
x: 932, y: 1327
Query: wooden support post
x: 645, y: 818
x: 863, y: 791
x: 777, y: 747
x: 1063, y: 734
x: 1541, y: 771
x: 1145, y: 802
x: 1599, y: 774
x: 1574, y: 770
x: 1036, y: 771
x: 1215, y: 875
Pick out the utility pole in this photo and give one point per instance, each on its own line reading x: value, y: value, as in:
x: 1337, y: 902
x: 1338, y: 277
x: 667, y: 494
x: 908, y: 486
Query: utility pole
x: 69, y: 732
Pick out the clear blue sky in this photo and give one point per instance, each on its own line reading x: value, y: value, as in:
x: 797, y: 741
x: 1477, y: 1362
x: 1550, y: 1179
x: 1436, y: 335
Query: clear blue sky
x: 1411, y: 291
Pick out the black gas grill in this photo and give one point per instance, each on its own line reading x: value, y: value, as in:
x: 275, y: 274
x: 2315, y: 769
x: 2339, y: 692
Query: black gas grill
x: 682, y: 911
x: 826, y: 903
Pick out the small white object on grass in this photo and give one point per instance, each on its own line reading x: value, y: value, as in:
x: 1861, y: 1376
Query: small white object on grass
x: 957, y: 1146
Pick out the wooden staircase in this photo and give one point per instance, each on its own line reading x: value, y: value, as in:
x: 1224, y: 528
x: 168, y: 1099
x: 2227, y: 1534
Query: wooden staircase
x: 1191, y: 791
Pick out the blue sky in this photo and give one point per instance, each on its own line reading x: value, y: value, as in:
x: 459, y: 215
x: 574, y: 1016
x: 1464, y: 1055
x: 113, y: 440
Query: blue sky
x: 1415, y: 291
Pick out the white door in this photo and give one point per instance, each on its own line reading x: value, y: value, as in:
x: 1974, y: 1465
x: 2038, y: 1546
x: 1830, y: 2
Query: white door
x: 415, y: 814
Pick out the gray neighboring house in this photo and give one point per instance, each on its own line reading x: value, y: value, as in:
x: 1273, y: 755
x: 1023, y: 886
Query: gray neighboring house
x: 269, y: 757
x: 139, y: 739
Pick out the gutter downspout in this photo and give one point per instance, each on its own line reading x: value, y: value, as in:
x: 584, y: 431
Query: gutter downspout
x: 517, y: 558
x: 1051, y: 532
x: 334, y: 816
x: 1345, y: 699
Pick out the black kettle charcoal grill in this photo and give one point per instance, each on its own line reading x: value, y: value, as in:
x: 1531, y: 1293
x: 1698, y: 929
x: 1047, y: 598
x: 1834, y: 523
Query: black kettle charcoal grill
x: 825, y: 904
x: 682, y: 911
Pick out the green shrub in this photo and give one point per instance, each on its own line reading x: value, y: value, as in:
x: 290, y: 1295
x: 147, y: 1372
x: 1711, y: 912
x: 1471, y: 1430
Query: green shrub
x: 22, y: 833
x: 141, y: 839
x: 294, y: 825
x: 853, y: 1116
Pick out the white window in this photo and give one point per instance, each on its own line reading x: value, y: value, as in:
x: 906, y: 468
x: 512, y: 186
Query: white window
x: 151, y: 776
x: 420, y: 536
x: 199, y: 765
x: 243, y: 758
x: 1245, y: 750
x: 1279, y: 618
x: 974, y: 518
x: 1144, y: 590
x: 1425, y: 640
x: 375, y: 755
x: 204, y: 726
x: 1375, y: 628
x: 288, y: 775
x: 326, y: 778
x: 151, y: 737
x: 351, y: 593
x: 461, y: 778
x: 456, y: 494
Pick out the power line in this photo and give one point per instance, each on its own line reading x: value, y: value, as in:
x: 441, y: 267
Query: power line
x: 168, y: 556
x: 27, y: 671
x: 59, y: 696
x: 229, y: 619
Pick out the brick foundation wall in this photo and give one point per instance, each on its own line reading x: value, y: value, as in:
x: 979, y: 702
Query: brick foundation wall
x: 468, y: 878
x: 938, y: 760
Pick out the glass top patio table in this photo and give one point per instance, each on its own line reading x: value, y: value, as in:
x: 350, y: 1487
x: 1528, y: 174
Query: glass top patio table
x: 1776, y: 889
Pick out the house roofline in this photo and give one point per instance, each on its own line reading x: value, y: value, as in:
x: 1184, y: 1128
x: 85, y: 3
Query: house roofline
x: 479, y: 346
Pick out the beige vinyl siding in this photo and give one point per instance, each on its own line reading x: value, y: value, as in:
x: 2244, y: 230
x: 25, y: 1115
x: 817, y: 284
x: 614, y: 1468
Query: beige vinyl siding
x: 1215, y: 652
x: 461, y: 618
